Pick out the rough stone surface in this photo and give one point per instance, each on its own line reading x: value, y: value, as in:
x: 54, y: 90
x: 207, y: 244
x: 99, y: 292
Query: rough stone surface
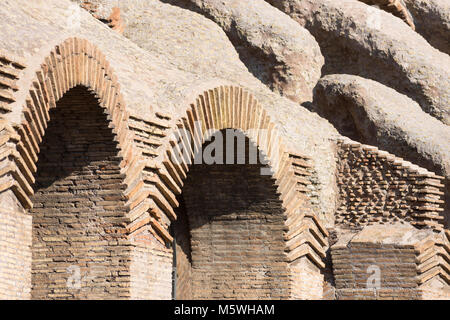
x: 371, y: 113
x: 237, y: 248
x: 396, y: 7
x: 362, y: 40
x: 114, y: 20
x: 276, y: 50
x: 395, y: 234
x: 432, y: 20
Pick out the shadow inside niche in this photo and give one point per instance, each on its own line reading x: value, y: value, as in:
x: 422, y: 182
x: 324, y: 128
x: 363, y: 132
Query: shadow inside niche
x: 237, y: 181
x: 78, y: 205
x: 77, y: 142
x: 229, y: 228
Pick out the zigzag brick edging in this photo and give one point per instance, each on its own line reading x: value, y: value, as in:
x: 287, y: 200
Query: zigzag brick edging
x: 11, y: 163
x: 10, y: 68
x: 72, y: 63
x: 217, y: 109
x: 377, y: 187
x: 433, y: 258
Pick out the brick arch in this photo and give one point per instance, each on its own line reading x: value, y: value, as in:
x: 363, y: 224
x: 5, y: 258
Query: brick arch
x: 75, y: 62
x: 233, y: 107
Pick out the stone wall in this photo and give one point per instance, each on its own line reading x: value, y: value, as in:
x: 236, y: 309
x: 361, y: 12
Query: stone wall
x: 152, y: 260
x: 361, y: 40
x: 396, y: 7
x: 431, y: 18
x: 377, y: 187
x: 79, y: 246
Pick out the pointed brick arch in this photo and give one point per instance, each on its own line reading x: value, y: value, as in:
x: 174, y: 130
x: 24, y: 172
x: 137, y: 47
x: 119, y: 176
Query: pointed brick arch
x: 73, y: 63
x: 233, y: 107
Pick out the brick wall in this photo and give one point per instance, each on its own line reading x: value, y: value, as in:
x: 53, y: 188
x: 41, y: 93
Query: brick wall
x: 236, y: 226
x: 10, y: 68
x: 397, y: 269
x: 307, y: 281
x: 183, y: 258
x: 151, y: 259
x: 79, y: 249
x: 395, y: 261
x: 151, y: 268
x: 297, y: 182
x: 377, y: 187
x: 396, y: 203
x: 15, y: 223
x: 15, y: 253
